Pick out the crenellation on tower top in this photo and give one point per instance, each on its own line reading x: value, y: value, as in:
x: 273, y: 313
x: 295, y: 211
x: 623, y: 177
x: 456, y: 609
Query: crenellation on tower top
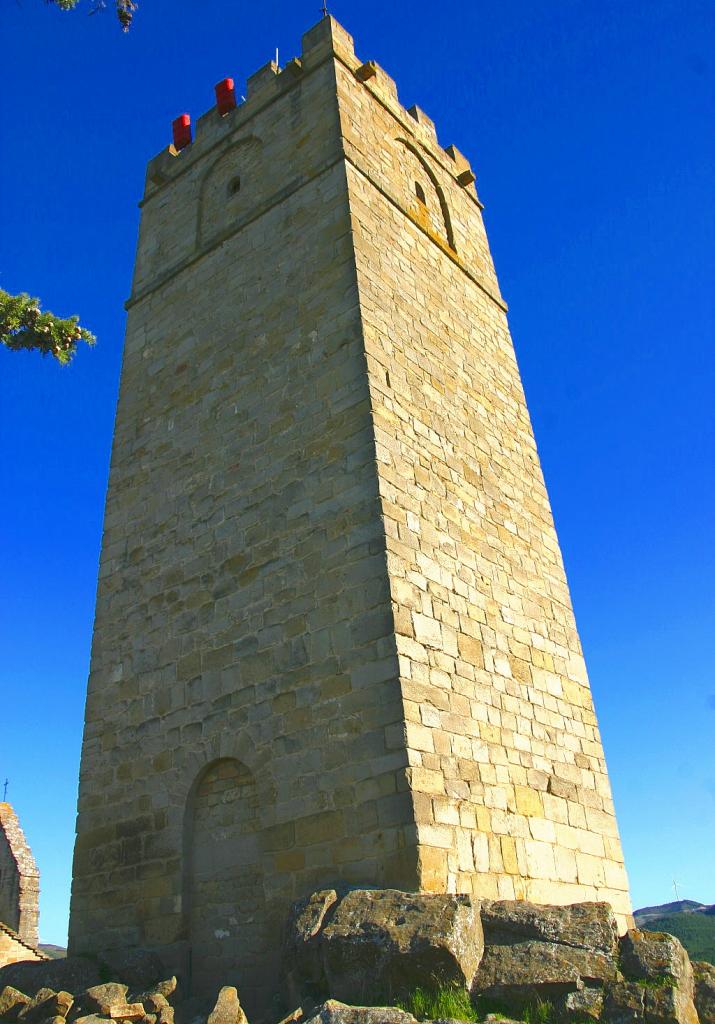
x: 379, y: 81
x: 423, y: 120
x: 326, y: 38
x: 262, y: 80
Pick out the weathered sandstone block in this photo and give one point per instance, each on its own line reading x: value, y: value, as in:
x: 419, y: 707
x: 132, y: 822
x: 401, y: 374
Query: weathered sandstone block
x: 654, y: 956
x: 98, y: 999
x: 382, y: 943
x: 228, y: 1008
x: 587, y: 925
x: 558, y: 954
x: 662, y: 965
x: 11, y: 1002
x: 334, y: 1012
x: 125, y: 1011
x: 45, y: 1004
x: 525, y: 972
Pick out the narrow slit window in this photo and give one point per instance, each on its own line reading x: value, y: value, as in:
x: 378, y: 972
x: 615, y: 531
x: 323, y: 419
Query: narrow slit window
x: 234, y: 186
x: 420, y: 193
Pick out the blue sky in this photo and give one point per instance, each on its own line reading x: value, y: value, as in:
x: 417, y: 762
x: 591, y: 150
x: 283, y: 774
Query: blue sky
x: 589, y: 124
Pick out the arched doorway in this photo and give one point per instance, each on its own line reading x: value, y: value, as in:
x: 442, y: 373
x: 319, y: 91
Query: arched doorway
x: 224, y: 900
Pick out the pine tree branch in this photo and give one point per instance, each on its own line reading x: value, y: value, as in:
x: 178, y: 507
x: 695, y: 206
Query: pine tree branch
x: 24, y: 326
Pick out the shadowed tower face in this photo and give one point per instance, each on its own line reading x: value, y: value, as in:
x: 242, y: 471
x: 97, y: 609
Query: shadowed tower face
x: 334, y: 642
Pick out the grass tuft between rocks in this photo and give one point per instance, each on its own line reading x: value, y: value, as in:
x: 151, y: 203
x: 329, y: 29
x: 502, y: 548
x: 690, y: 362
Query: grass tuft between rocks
x: 440, y: 1002
x: 539, y: 1012
x: 659, y: 981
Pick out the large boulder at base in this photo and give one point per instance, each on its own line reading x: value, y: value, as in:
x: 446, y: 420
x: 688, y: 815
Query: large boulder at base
x: 660, y: 963
x: 563, y: 955
x: 46, y: 1004
x: 704, y: 975
x: 11, y: 1002
x: 334, y: 1012
x: 228, y: 1009
x: 380, y: 944
x: 98, y: 998
x: 584, y: 925
x: 655, y: 956
x: 526, y: 972
x: 72, y: 974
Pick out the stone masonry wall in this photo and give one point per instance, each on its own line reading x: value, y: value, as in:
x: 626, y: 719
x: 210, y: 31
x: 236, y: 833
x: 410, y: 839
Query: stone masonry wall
x: 243, y: 608
x: 507, y: 771
x: 13, y: 950
x: 19, y: 879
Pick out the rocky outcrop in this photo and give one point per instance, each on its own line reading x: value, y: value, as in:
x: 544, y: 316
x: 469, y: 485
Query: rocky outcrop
x: 704, y: 978
x: 373, y: 945
x: 659, y: 964
x: 583, y: 925
x: 554, y: 965
x: 11, y: 1002
x: 105, y: 1003
x: 554, y: 954
x: 335, y: 1012
x: 655, y: 956
x: 46, y: 1005
x: 228, y: 1008
x: 136, y: 970
x: 98, y: 998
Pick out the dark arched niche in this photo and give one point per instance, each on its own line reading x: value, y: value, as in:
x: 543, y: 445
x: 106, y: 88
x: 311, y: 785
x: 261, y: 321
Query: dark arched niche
x: 224, y: 897
x: 231, y: 188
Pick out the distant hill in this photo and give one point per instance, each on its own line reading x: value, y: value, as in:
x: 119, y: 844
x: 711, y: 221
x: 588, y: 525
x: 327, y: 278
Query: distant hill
x: 681, y: 906
x: 692, y: 923
x: 53, y: 952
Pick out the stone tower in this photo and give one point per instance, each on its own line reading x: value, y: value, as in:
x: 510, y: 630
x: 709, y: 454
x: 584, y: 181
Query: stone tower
x: 334, y: 642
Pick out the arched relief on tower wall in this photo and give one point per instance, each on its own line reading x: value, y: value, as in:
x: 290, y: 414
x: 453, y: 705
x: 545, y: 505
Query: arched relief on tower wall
x: 167, y: 233
x: 422, y: 193
x: 229, y: 188
x: 224, y: 896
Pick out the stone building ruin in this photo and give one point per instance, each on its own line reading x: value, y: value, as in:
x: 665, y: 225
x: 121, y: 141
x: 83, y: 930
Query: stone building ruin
x: 19, y: 892
x: 334, y: 643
